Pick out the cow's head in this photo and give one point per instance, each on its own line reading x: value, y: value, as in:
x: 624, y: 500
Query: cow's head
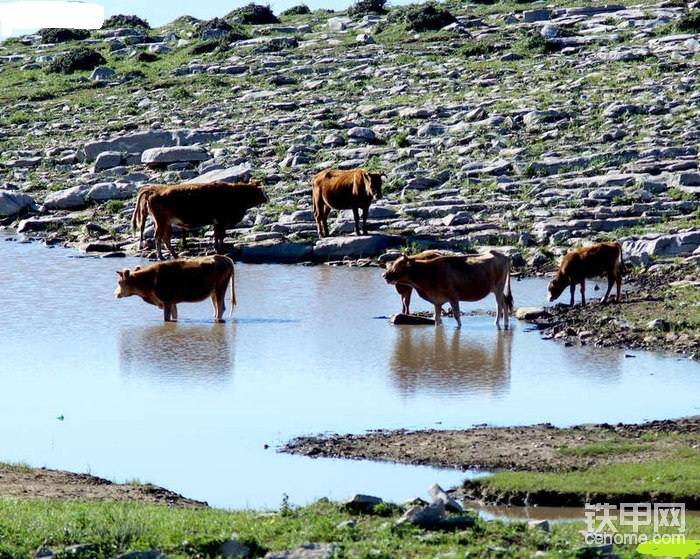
x: 398, y: 269
x: 373, y: 185
x: 125, y: 283
x: 557, y: 286
x: 256, y: 196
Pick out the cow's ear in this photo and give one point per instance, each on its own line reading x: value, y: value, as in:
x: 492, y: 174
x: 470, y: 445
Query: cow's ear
x: 120, y: 273
x: 137, y: 268
x: 126, y: 273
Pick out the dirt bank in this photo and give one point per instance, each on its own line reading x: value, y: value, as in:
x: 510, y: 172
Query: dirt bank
x: 541, y: 448
x: 660, y: 311
x: 22, y: 482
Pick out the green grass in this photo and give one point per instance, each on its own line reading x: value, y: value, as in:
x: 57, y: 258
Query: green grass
x: 678, y: 477
x: 604, y: 448
x: 113, y: 528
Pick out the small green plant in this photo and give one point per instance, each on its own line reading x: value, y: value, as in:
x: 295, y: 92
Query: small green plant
x: 689, y: 23
x: 428, y: 17
x: 400, y: 140
x: 114, y: 206
x: 300, y: 10
x: 252, y: 14
x: 364, y: 7
x: 76, y: 60
x: 121, y: 20
x: 478, y: 48
x: 59, y: 35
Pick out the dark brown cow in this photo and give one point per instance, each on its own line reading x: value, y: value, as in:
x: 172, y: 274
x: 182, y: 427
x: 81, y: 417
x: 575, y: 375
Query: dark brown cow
x: 451, y: 279
x: 405, y: 290
x: 195, y: 205
x: 165, y: 284
x: 344, y: 190
x: 601, y: 259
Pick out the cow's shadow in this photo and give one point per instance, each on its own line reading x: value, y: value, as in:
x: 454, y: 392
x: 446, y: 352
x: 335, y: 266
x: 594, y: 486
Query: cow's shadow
x: 440, y: 360
x: 177, y: 353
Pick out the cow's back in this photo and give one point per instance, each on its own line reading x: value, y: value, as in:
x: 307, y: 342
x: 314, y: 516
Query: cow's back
x: 336, y: 188
x: 191, y: 280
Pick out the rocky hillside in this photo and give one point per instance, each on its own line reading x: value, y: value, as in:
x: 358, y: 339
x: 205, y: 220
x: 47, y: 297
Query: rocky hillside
x: 529, y: 126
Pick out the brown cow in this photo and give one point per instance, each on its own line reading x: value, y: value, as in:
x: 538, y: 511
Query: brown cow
x: 405, y: 290
x: 344, y: 190
x: 195, y: 205
x: 138, y: 218
x: 165, y: 284
x: 451, y: 279
x: 587, y: 262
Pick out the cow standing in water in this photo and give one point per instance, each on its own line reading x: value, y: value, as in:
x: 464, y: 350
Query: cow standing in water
x: 138, y: 218
x: 405, y: 290
x: 165, y: 284
x: 601, y: 259
x: 196, y: 205
x: 344, y: 190
x: 451, y: 279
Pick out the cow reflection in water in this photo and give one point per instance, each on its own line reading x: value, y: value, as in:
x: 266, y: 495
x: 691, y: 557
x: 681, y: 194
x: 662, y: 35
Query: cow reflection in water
x: 440, y: 361
x: 171, y: 353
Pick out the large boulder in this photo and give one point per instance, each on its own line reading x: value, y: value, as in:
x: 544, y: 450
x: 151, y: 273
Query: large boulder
x: 275, y: 251
x: 108, y: 160
x: 306, y: 551
x: 68, y: 199
x: 13, y: 202
x: 104, y: 191
x: 138, y: 142
x: 239, y: 173
x: 180, y: 154
x: 640, y: 250
x: 336, y: 248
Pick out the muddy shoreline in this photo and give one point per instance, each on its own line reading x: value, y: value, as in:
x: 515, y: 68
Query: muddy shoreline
x: 23, y: 482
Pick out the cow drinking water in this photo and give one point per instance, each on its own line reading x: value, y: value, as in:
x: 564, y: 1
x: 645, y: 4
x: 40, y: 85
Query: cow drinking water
x: 165, y: 284
x: 588, y: 262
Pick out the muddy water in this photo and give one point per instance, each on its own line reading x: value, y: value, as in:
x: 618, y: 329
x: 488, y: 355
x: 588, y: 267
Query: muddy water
x: 191, y: 406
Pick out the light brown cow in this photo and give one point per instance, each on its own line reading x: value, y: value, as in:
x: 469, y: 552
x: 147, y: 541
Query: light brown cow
x: 138, y: 218
x: 601, y: 259
x: 451, y: 279
x: 165, y: 284
x: 405, y: 290
x: 195, y: 205
x: 344, y: 190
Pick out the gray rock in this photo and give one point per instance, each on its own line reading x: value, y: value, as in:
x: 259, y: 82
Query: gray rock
x: 108, y: 160
x: 158, y: 156
x: 530, y: 313
x: 39, y: 224
x: 424, y: 517
x: 339, y: 23
x: 362, y: 503
x: 276, y: 252
x: 239, y: 173
x: 659, y: 324
x: 531, y: 16
x: 680, y: 244
x: 102, y: 73
x: 539, y: 525
x: 104, y: 191
x: 150, y: 554
x: 233, y: 549
x: 335, y: 248
x: 439, y: 495
x: 364, y: 39
x: 44, y: 553
x: 68, y: 199
x: 307, y: 551
x: 362, y: 134
x: 12, y: 202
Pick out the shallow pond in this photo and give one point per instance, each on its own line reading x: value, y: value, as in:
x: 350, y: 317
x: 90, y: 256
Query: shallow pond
x: 191, y: 406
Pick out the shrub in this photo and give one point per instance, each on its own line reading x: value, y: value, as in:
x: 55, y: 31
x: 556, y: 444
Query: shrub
x: 79, y: 59
x: 300, y: 10
x: 206, y: 47
x: 478, y: 48
x: 146, y: 57
x: 253, y: 14
x: 534, y: 42
x: 428, y: 17
x: 214, y: 24
x: 363, y: 7
x: 59, y: 35
x: 690, y: 22
x: 121, y: 20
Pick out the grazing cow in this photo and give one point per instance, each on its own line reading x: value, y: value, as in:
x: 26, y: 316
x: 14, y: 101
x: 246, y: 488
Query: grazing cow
x: 165, y: 284
x: 587, y: 262
x: 451, y: 279
x: 344, y: 190
x: 195, y: 205
x: 405, y: 290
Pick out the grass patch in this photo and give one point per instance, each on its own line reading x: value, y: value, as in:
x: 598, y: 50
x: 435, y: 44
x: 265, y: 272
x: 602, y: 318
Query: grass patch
x: 605, y: 448
x: 677, y: 478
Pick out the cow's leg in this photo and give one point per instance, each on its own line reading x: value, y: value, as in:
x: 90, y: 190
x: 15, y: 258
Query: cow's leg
x: 456, y: 312
x: 169, y: 312
x: 219, y: 234
x: 618, y: 281
x: 365, y: 211
x: 173, y: 312
x: 356, y: 215
x: 611, y: 281
x: 499, y: 307
x: 406, y: 300
x: 438, y: 313
x: 572, y: 291
x: 167, y: 234
x: 217, y: 301
x: 583, y: 293
x: 325, y: 212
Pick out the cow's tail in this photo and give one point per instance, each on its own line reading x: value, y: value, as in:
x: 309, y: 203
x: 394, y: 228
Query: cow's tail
x: 233, y: 289
x: 622, y: 261
x: 138, y: 210
x: 506, y: 290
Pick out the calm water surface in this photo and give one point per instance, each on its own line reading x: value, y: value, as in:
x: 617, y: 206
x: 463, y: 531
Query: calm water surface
x: 191, y: 405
